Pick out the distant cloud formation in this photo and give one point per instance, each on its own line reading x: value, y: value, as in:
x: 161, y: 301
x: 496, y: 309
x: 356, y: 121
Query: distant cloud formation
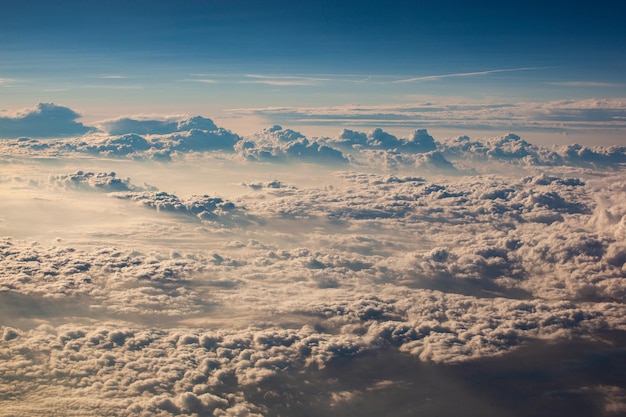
x: 145, y: 126
x: 555, y: 116
x: 589, y: 115
x: 176, y: 137
x: 102, y: 181
x: 46, y: 120
x: 278, y: 144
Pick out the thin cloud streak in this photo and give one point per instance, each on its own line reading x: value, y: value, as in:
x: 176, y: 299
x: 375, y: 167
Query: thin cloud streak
x: 464, y: 74
x: 284, y: 80
x: 585, y: 84
x: 198, y: 80
x: 563, y: 115
x: 6, y: 82
x: 113, y: 77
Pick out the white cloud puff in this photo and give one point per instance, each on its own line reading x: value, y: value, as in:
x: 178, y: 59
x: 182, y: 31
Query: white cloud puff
x: 102, y: 181
x: 276, y: 144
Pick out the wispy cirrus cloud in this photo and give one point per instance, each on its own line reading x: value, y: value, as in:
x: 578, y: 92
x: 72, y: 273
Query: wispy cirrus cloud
x: 463, y: 74
x: 113, y: 77
x: 6, y: 82
x: 284, y: 80
x: 199, y: 80
x: 271, y: 80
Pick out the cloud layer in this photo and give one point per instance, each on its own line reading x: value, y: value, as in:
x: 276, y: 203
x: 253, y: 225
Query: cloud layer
x: 164, y: 139
x: 587, y: 115
x: 335, y: 273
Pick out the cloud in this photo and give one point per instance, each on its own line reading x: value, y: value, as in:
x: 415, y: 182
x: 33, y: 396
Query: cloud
x: 144, y: 126
x: 277, y: 144
x: 113, y: 77
x: 463, y: 74
x: 586, y: 115
x: 201, y: 206
x: 349, y: 282
x: 420, y: 142
x: 120, y: 146
x: 107, y: 182
x: 377, y: 138
x: 376, y: 148
x: 6, y: 82
x: 204, y: 140
x: 512, y: 148
x: 46, y: 120
x: 200, y: 80
x: 284, y: 80
x: 196, y: 133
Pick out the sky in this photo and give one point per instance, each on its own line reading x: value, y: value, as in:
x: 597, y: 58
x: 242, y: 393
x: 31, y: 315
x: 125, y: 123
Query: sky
x: 264, y: 209
x: 250, y: 65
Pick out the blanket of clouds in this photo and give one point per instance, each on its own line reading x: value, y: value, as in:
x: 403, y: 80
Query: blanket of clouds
x: 158, y: 267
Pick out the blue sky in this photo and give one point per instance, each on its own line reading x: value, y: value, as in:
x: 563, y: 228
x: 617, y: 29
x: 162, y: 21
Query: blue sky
x: 113, y: 58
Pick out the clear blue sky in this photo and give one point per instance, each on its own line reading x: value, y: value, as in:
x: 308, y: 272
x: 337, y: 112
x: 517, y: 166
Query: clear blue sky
x: 108, y: 58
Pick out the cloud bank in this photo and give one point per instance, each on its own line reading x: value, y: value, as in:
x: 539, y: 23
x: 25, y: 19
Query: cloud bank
x: 589, y: 115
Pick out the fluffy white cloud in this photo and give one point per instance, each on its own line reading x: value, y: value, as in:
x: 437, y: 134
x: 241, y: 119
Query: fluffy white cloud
x: 277, y: 145
x: 102, y: 181
x: 204, y: 140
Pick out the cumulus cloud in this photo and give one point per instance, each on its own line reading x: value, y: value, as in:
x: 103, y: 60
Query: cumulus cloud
x: 46, y: 120
x: 331, y: 289
x: 165, y: 139
x: 204, y: 140
x: 278, y: 144
x: 102, y: 181
x: 117, y: 146
x: 172, y: 134
x: 202, y: 207
x: 512, y: 148
x: 146, y: 126
x: 377, y: 138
